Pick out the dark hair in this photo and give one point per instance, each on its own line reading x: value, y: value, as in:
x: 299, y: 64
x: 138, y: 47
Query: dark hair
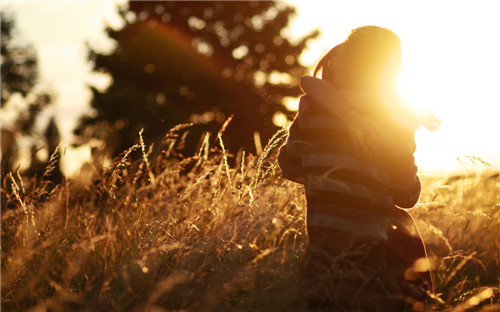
x: 326, y: 64
x: 359, y: 60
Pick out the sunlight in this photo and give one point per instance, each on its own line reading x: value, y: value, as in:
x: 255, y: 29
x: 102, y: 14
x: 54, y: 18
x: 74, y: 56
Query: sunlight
x: 279, y: 119
x: 462, y: 98
x: 450, y: 68
x: 291, y: 103
x: 408, y: 90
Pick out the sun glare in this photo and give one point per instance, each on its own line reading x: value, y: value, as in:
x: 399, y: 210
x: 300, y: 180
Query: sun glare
x: 279, y: 119
x: 450, y: 68
x: 406, y: 86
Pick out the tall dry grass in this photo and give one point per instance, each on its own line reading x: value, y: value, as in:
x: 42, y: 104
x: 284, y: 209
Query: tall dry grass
x: 211, y: 232
x: 459, y: 219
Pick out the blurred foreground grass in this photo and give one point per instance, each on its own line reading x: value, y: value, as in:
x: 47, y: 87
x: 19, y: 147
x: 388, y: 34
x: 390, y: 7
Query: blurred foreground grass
x: 195, y: 233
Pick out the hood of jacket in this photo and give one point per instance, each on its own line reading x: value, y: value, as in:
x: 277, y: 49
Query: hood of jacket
x: 392, y: 112
x: 326, y: 95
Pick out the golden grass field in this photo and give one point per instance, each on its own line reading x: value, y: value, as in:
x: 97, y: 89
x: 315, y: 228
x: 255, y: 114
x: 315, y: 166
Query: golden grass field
x: 212, y: 232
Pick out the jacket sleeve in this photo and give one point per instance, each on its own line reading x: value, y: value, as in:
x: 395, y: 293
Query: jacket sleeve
x: 405, y: 187
x: 290, y: 154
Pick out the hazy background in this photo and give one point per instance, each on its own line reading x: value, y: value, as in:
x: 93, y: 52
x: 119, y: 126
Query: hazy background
x: 450, y: 53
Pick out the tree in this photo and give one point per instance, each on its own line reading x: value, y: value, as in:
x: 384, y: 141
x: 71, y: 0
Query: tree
x: 197, y: 61
x: 19, y: 70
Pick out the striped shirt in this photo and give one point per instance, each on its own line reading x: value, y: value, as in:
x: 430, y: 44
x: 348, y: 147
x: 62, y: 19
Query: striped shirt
x: 345, y: 192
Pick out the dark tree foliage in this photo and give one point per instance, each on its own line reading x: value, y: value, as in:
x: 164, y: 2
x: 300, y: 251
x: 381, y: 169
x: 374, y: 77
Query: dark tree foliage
x: 19, y: 75
x: 195, y: 61
x: 19, y: 67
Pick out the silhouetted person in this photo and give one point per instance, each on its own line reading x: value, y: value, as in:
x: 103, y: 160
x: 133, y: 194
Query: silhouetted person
x: 351, y: 145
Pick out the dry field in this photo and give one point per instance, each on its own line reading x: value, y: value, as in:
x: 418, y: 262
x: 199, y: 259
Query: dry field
x: 213, y: 232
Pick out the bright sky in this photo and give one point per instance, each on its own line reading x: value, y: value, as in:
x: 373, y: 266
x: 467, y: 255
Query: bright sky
x: 450, y: 56
x: 451, y: 64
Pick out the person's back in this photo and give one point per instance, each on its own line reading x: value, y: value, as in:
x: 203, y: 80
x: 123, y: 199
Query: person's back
x: 351, y: 200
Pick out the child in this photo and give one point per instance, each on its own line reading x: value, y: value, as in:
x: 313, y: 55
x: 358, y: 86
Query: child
x: 351, y: 145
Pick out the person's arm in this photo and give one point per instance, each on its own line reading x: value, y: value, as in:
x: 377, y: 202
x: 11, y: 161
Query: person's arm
x: 363, y: 130
x: 324, y: 94
x: 405, y: 189
x: 405, y: 184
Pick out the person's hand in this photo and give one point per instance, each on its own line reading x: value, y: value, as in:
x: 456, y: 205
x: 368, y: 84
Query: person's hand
x: 430, y: 121
x: 364, y: 132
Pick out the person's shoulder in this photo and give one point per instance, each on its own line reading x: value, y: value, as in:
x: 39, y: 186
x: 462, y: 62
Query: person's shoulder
x: 304, y: 103
x: 309, y: 106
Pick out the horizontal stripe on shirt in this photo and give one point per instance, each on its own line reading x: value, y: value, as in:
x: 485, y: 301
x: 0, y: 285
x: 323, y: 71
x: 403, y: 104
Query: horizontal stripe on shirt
x: 347, y: 225
x: 325, y: 147
x: 321, y: 122
x: 349, y: 201
x: 328, y: 135
x: 344, y: 161
x: 318, y: 183
x: 347, y: 175
x: 360, y: 215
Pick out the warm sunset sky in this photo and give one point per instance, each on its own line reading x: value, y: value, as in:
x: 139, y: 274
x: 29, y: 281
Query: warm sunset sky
x: 450, y: 48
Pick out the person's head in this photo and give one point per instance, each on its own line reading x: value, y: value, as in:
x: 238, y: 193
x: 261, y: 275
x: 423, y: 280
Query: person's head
x: 368, y: 59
